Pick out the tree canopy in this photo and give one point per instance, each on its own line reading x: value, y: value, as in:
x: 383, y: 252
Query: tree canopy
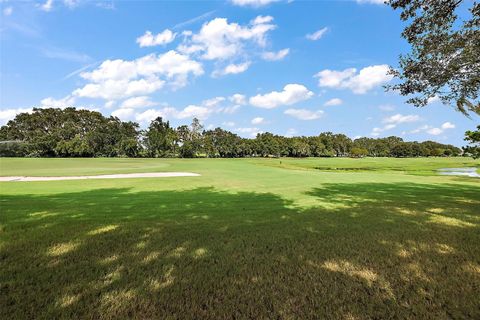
x: 81, y: 133
x: 473, y: 137
x: 444, y: 61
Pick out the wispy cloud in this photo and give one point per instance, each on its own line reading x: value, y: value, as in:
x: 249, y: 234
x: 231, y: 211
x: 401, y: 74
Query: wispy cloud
x: 64, y: 54
x: 79, y: 70
x: 193, y: 20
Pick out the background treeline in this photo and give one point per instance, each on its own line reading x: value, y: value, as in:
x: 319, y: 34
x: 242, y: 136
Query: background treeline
x: 81, y: 133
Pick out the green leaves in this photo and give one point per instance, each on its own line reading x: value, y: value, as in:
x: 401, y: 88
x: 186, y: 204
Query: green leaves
x: 445, y: 58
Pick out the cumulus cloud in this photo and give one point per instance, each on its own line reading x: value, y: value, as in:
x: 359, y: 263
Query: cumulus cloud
x: 434, y: 131
x: 238, y: 98
x: 150, y: 40
x: 317, y: 35
x: 399, y: 118
x: 258, y: 120
x: 275, y: 56
x: 124, y: 114
x: 448, y: 125
x: 251, y: 132
x: 291, y: 132
x: 393, y: 121
x: 304, y: 114
x: 252, y: 3
x: 119, y: 79
x: 228, y: 123
x: 232, y: 69
x: 333, y: 102
x: 50, y: 102
x: 291, y: 94
x: 137, y: 102
x: 9, y: 114
x: 376, y: 131
x: 129, y: 109
x: 219, y: 40
x: 47, y: 6
x: 213, y: 102
x: 361, y: 82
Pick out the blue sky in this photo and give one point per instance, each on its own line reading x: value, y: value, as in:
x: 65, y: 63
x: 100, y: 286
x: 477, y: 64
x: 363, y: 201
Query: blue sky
x: 249, y: 66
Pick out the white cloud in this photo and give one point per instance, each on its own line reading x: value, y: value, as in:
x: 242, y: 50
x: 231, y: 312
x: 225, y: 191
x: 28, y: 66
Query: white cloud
x: 361, y: 82
x: 119, y: 79
x: 275, y: 56
x: 9, y: 114
x: 433, y: 99
x: 147, y: 116
x: 232, y: 69
x: 434, y: 131
x: 317, y: 34
x: 50, y: 102
x: 399, y: 118
x: 333, y: 102
x: 162, y: 38
x: 393, y: 121
x: 229, y: 123
x: 238, y: 98
x: 230, y: 109
x: 123, y: 114
x: 291, y: 94
x: 213, y: 102
x: 192, y: 111
x: 47, y: 6
x: 119, y: 89
x: 252, y: 132
x: 219, y: 39
x: 7, y: 11
x: 258, y: 120
x: 291, y: 132
x: 448, y: 125
x: 376, y: 131
x: 252, y: 3
x: 137, y: 102
x: 304, y: 114
x: 109, y: 104
x: 387, y: 107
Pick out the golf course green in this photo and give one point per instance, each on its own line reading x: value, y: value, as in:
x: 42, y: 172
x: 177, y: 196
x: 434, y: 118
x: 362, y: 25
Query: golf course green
x: 247, y: 239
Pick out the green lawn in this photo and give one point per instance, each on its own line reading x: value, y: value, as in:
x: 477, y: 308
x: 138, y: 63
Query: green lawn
x: 250, y: 238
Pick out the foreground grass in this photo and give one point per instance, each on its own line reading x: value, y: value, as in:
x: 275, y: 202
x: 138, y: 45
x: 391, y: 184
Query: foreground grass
x: 247, y: 239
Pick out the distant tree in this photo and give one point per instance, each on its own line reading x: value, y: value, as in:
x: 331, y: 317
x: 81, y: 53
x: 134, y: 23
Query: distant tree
x: 341, y: 144
x: 159, y: 138
x: 473, y: 138
x: 445, y: 58
x: 196, y: 137
x: 358, y: 152
x: 317, y: 148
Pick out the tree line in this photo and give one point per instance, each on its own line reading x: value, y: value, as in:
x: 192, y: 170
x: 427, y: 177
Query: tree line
x: 69, y: 132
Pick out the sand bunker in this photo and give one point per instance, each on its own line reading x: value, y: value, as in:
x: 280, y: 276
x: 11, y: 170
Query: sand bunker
x: 105, y: 176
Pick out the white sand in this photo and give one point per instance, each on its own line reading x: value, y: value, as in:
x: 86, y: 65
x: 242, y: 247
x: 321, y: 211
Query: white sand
x: 105, y: 176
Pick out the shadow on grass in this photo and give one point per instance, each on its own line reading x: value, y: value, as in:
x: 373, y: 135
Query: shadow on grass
x: 378, y: 250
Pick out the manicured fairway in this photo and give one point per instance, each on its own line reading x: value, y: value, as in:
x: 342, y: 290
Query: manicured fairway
x: 249, y: 238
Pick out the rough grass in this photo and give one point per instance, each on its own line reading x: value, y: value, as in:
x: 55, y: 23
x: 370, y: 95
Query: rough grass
x: 247, y: 239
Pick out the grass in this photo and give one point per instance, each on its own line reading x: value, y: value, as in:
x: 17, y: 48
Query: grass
x: 250, y: 238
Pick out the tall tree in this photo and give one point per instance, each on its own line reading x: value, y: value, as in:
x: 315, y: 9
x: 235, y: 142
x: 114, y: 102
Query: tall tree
x: 159, y: 138
x: 444, y: 61
x: 473, y: 137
